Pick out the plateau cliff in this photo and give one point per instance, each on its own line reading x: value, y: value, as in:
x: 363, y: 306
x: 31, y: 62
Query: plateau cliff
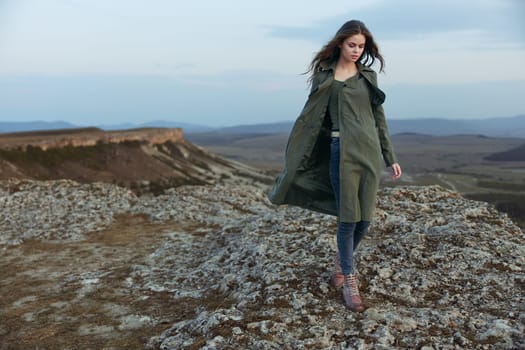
x: 149, y: 159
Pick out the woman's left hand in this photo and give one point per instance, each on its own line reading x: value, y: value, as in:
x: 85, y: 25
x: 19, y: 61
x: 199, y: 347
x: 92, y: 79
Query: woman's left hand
x: 396, y: 171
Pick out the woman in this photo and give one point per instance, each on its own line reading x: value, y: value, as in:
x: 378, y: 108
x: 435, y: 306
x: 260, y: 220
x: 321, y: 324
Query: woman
x: 333, y: 155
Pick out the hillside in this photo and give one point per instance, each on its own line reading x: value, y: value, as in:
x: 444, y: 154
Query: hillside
x: 218, y: 267
x: 148, y: 159
x: 512, y: 155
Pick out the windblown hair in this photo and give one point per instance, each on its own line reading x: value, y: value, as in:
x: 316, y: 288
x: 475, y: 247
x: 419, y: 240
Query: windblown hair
x: 331, y: 51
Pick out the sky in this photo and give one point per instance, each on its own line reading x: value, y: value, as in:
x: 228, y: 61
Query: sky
x: 231, y: 62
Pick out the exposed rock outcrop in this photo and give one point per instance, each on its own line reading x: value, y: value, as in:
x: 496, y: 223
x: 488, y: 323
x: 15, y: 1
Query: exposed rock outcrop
x: 141, y: 159
x: 84, y: 137
x: 437, y: 271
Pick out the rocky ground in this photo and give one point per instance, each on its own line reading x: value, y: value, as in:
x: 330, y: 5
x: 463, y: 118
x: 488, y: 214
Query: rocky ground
x: 89, y: 266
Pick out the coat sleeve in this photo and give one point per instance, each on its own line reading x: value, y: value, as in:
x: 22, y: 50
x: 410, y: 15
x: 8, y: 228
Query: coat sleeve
x: 382, y: 129
x: 384, y: 138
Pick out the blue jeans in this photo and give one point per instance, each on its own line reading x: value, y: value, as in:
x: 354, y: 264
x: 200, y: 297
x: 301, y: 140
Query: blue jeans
x: 349, y: 234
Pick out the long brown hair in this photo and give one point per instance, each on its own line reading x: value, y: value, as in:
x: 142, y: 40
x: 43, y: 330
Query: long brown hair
x: 331, y: 51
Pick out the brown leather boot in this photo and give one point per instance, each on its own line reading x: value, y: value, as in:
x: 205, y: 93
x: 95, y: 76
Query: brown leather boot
x: 337, y: 278
x: 351, y: 294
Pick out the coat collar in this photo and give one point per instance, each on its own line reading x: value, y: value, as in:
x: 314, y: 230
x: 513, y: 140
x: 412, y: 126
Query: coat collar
x: 365, y: 70
x: 378, y: 96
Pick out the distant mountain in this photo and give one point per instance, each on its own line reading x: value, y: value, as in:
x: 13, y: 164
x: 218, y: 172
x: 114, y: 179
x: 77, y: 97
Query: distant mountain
x: 6, y: 127
x: 186, y: 127
x: 494, y: 127
x: 35, y: 125
x: 504, y: 126
x: 270, y: 128
x: 122, y: 126
x: 500, y: 127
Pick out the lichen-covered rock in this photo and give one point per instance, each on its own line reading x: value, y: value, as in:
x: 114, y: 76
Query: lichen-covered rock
x: 436, y: 271
x: 433, y: 264
x: 62, y: 210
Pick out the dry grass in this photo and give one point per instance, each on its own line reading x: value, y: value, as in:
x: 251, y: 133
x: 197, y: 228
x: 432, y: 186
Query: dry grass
x: 42, y: 304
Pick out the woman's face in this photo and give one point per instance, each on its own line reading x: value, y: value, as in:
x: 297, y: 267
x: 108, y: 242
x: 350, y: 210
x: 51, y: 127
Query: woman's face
x: 352, y: 48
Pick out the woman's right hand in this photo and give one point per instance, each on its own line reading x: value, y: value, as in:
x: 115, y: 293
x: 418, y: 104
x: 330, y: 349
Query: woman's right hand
x: 396, y: 171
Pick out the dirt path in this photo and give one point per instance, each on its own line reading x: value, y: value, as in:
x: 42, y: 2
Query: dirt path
x: 75, y: 295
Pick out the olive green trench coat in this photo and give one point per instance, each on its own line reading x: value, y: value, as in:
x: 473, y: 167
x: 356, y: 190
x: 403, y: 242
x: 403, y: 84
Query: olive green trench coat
x: 305, y: 180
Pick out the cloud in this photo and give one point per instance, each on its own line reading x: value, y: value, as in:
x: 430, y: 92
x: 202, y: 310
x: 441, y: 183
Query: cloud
x: 497, y: 20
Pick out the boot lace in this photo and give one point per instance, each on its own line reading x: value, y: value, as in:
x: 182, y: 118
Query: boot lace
x: 351, y: 283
